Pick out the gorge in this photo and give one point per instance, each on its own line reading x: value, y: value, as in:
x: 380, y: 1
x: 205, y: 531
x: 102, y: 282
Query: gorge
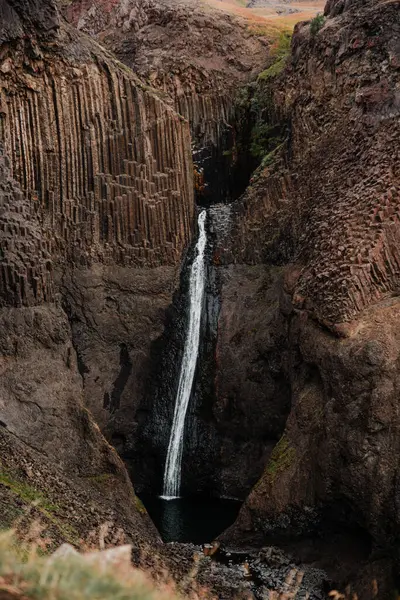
x: 270, y: 326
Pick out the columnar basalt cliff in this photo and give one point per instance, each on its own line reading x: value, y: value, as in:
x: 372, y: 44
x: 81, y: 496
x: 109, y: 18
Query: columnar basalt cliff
x: 96, y: 216
x: 95, y: 183
x: 52, y: 451
x: 324, y: 211
x: 340, y: 101
x: 105, y: 169
x: 103, y: 159
x: 197, y: 57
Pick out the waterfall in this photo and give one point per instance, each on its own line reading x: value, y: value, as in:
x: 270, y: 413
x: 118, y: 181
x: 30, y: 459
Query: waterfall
x: 172, y: 473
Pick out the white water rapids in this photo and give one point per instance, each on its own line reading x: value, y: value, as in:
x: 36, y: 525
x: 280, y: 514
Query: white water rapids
x: 172, y: 473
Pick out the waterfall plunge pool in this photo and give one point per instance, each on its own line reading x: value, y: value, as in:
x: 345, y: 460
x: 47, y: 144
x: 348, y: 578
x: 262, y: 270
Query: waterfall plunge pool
x: 197, y: 519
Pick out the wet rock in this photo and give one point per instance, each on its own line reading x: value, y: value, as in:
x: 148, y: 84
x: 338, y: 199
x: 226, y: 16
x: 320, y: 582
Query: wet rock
x: 252, y: 574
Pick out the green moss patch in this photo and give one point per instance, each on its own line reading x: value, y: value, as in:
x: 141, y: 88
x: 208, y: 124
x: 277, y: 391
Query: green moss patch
x: 140, y: 506
x: 279, y: 54
x: 30, y: 496
x: 282, y: 457
x: 316, y: 24
x: 26, y: 492
x: 101, y: 480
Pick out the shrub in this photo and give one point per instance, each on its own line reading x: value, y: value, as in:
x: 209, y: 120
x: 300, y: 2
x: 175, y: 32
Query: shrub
x: 265, y: 138
x: 279, y: 53
x: 316, y: 24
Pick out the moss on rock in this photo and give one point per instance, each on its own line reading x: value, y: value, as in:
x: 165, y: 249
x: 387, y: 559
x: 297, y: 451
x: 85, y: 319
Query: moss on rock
x: 282, y: 458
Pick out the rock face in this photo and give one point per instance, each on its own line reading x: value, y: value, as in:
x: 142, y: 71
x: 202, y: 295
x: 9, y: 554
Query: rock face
x: 95, y: 183
x: 327, y: 212
x: 96, y: 213
x: 343, y: 233
x: 241, y: 396
x: 105, y: 207
x: 252, y: 394
x: 194, y: 54
x: 198, y: 58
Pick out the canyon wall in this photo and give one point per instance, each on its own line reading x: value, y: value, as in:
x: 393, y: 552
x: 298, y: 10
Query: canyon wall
x: 324, y: 210
x: 197, y: 57
x: 97, y: 207
x: 339, y: 205
x: 193, y: 54
x: 96, y: 210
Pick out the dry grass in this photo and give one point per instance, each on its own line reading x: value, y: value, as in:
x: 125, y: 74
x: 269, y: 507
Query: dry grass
x: 25, y: 574
x: 267, y: 17
x: 100, y: 571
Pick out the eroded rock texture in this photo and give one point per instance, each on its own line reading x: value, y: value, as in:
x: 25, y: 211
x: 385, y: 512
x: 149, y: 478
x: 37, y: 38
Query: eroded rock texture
x: 332, y: 202
x: 95, y: 182
x: 82, y: 140
x: 198, y: 58
x: 326, y: 209
x: 195, y: 55
x: 52, y: 451
x: 252, y: 394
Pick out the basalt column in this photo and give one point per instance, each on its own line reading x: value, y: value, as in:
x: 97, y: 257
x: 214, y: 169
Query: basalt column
x: 103, y: 209
x: 65, y: 157
x: 198, y: 58
x: 324, y: 211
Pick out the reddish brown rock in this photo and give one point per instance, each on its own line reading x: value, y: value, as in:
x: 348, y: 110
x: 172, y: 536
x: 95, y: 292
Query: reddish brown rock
x: 193, y: 54
x: 332, y: 201
x: 95, y: 178
x: 327, y: 210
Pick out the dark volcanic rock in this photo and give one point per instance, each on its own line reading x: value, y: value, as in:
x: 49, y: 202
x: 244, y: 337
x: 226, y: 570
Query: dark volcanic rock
x: 252, y: 392
x: 52, y: 450
x: 116, y: 313
x: 241, y: 396
x: 326, y: 210
x: 86, y: 191
x: 255, y: 574
x: 331, y: 203
x: 28, y: 16
x: 198, y: 58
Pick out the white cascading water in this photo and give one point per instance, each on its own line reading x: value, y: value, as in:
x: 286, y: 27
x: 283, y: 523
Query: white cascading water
x: 172, y: 473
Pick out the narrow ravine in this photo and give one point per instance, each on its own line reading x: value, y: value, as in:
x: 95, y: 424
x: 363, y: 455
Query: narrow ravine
x: 172, y: 474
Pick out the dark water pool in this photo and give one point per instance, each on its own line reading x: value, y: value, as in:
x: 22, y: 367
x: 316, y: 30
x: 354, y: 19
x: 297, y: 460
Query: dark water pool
x: 195, y: 519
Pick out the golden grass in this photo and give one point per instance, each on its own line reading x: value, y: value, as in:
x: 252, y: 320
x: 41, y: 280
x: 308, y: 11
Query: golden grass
x: 267, y: 16
x: 26, y: 575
